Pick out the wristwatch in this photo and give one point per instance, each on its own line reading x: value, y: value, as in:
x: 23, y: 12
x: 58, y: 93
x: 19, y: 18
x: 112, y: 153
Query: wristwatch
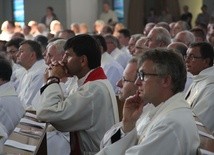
x: 53, y: 79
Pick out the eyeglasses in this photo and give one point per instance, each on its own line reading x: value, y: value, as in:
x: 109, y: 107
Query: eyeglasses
x: 125, y: 80
x: 141, y: 75
x: 191, y: 57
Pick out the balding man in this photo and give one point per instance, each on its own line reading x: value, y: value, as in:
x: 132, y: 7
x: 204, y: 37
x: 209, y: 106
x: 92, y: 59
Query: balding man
x: 158, y: 37
x: 182, y: 49
x: 185, y: 37
x: 180, y: 26
x: 140, y: 46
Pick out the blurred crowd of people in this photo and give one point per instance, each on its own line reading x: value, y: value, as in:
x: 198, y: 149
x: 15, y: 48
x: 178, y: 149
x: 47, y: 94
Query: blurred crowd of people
x: 34, y: 55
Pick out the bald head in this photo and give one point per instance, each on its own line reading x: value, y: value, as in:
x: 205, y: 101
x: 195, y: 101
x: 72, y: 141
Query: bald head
x: 179, y: 47
x: 185, y: 37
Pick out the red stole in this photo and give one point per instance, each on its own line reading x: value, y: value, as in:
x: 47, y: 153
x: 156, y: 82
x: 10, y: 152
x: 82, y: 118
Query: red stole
x: 96, y: 74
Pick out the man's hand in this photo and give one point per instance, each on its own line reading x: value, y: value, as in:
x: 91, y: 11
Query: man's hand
x: 56, y: 70
x: 132, y: 110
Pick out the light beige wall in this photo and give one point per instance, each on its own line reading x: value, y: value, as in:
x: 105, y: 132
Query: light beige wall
x: 194, y: 7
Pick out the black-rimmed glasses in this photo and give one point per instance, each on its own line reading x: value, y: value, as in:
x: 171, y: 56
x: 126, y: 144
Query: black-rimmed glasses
x: 191, y: 57
x: 141, y: 75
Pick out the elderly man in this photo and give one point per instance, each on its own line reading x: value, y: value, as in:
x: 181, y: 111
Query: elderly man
x: 140, y: 46
x: 148, y: 28
x: 55, y: 52
x: 84, y: 111
x: 132, y: 41
x: 185, y: 37
x: 114, y: 51
x: 199, y: 62
x: 161, y: 79
x: 158, y: 37
x: 180, y: 26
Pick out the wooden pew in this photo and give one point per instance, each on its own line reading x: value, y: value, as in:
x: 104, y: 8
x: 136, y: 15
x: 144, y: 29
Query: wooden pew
x: 206, y: 143
x: 38, y: 141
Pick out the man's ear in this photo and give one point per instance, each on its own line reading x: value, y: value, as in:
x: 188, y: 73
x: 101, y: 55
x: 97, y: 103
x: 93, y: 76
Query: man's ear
x: 166, y: 81
x: 33, y: 56
x: 207, y: 62
x: 84, y: 60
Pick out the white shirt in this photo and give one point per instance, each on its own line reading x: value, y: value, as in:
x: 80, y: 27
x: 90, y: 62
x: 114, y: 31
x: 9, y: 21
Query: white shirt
x: 3, y: 137
x: 107, y: 16
x: 112, y: 69
x: 18, y: 72
x: 29, y: 37
x: 201, y: 97
x: 171, y: 129
x: 5, y: 36
x: 84, y: 111
x: 11, y: 109
x: 31, y: 83
x: 120, y: 57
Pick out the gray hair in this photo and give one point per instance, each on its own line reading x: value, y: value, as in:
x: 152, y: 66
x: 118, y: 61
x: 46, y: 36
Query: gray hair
x: 136, y: 36
x: 167, y: 62
x: 163, y: 35
x: 189, y: 37
x: 59, y: 45
x: 113, y: 39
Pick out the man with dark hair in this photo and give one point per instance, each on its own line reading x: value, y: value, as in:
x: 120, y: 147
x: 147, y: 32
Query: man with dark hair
x: 43, y: 41
x: 11, y: 109
x: 199, y: 62
x: 124, y: 37
x: 92, y: 109
x: 12, y: 48
x: 30, y: 57
x: 161, y: 79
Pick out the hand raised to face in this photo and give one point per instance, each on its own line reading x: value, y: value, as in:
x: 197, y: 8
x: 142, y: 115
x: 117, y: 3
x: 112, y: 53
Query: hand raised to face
x: 56, y: 69
x: 132, y: 110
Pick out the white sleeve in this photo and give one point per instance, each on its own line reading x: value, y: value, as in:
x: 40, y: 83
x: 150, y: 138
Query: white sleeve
x: 121, y: 145
x: 107, y: 137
